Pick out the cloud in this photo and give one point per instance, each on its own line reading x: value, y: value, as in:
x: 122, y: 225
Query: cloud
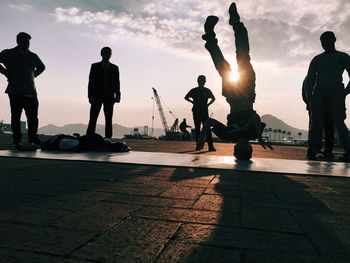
x: 21, y: 7
x: 284, y: 32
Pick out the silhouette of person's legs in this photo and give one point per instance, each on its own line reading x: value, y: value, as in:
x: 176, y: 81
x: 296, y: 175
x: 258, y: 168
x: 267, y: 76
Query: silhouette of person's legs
x: 208, y: 133
x: 318, y: 105
x: 338, y: 109
x: 197, y: 125
x: 31, y: 105
x: 199, y: 119
x: 328, y: 131
x: 240, y: 95
x: 108, y: 111
x: 94, y: 112
x: 16, y: 103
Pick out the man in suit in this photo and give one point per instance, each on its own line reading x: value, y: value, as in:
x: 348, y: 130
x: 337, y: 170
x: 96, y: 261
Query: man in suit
x: 103, y: 89
x: 21, y: 67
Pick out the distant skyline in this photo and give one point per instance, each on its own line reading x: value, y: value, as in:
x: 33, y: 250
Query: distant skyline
x: 157, y: 43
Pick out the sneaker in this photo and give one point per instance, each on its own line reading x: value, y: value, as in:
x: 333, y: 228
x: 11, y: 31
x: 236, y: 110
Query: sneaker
x: 234, y: 16
x: 19, y: 146
x: 198, y: 148
x: 35, y: 145
x: 210, y: 24
x: 328, y: 156
x: 211, y: 149
x: 311, y: 157
x: 345, y: 158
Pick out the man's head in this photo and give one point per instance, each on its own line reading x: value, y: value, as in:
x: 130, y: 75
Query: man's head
x: 106, y: 53
x: 201, y: 80
x: 328, y: 41
x: 22, y: 40
x: 184, y: 120
x: 243, y: 149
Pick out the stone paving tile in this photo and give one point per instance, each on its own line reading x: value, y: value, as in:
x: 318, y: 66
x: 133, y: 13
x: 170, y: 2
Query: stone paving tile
x: 99, y: 217
x: 238, y: 238
x: 150, y: 201
x: 18, y: 256
x: 76, y: 201
x: 217, y: 203
x: 188, y: 215
x: 331, y: 239
x: 225, y: 190
x: 186, y: 252
x: 254, y: 186
x: 220, y: 181
x: 32, y: 215
x: 9, y: 200
x: 194, y: 182
x: 136, y: 240
x: 140, y: 189
x: 258, y: 257
x: 276, y: 203
x: 183, y: 192
x: 339, y: 205
x: 267, y: 218
x: 53, y: 240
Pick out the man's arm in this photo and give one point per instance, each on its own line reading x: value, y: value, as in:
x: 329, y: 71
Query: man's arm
x: 347, y: 68
x: 91, y: 92
x: 188, y: 97
x: 39, y: 67
x: 211, y: 99
x: 310, y: 80
x: 258, y: 129
x: 117, y: 86
x: 3, y: 70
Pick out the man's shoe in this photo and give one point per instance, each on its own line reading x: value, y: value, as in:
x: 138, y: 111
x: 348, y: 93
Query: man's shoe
x: 35, y: 145
x: 311, y: 157
x: 234, y: 16
x: 212, y: 149
x: 328, y: 156
x: 345, y: 158
x: 198, y: 148
x: 210, y: 24
x: 19, y: 146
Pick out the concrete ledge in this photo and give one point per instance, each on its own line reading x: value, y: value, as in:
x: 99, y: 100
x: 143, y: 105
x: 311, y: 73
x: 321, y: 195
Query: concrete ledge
x: 195, y: 161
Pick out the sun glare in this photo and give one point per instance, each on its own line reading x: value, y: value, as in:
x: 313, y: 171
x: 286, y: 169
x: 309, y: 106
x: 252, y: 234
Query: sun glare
x: 234, y: 76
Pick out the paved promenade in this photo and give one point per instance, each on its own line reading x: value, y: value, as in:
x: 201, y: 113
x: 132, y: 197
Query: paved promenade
x: 71, y: 211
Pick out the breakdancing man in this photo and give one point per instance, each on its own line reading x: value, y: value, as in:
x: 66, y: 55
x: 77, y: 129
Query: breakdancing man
x: 243, y: 123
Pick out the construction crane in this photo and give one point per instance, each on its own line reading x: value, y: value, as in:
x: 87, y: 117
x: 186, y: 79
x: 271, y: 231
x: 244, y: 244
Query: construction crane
x: 173, y: 132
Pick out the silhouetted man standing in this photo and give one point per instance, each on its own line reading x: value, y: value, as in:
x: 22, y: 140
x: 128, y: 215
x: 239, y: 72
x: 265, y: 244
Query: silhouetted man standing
x: 103, y: 89
x: 328, y: 129
x: 199, y: 97
x: 325, y: 91
x: 21, y: 67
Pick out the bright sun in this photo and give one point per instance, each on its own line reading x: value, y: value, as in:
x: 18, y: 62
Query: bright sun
x: 234, y: 76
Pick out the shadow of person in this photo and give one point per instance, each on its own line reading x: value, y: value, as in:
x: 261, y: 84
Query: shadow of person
x: 261, y: 217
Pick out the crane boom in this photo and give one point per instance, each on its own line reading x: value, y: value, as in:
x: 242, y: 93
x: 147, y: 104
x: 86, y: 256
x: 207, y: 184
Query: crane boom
x: 161, y: 111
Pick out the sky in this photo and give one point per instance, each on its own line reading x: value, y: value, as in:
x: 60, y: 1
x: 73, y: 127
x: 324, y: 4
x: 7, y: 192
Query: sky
x: 157, y: 43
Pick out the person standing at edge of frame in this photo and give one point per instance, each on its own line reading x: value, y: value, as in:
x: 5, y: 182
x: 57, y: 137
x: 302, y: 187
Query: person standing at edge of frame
x: 325, y: 92
x: 21, y: 67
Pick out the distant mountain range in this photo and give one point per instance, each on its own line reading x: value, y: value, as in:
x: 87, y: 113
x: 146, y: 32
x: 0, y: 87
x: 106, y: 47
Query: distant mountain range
x: 275, y: 123
x: 119, y: 131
